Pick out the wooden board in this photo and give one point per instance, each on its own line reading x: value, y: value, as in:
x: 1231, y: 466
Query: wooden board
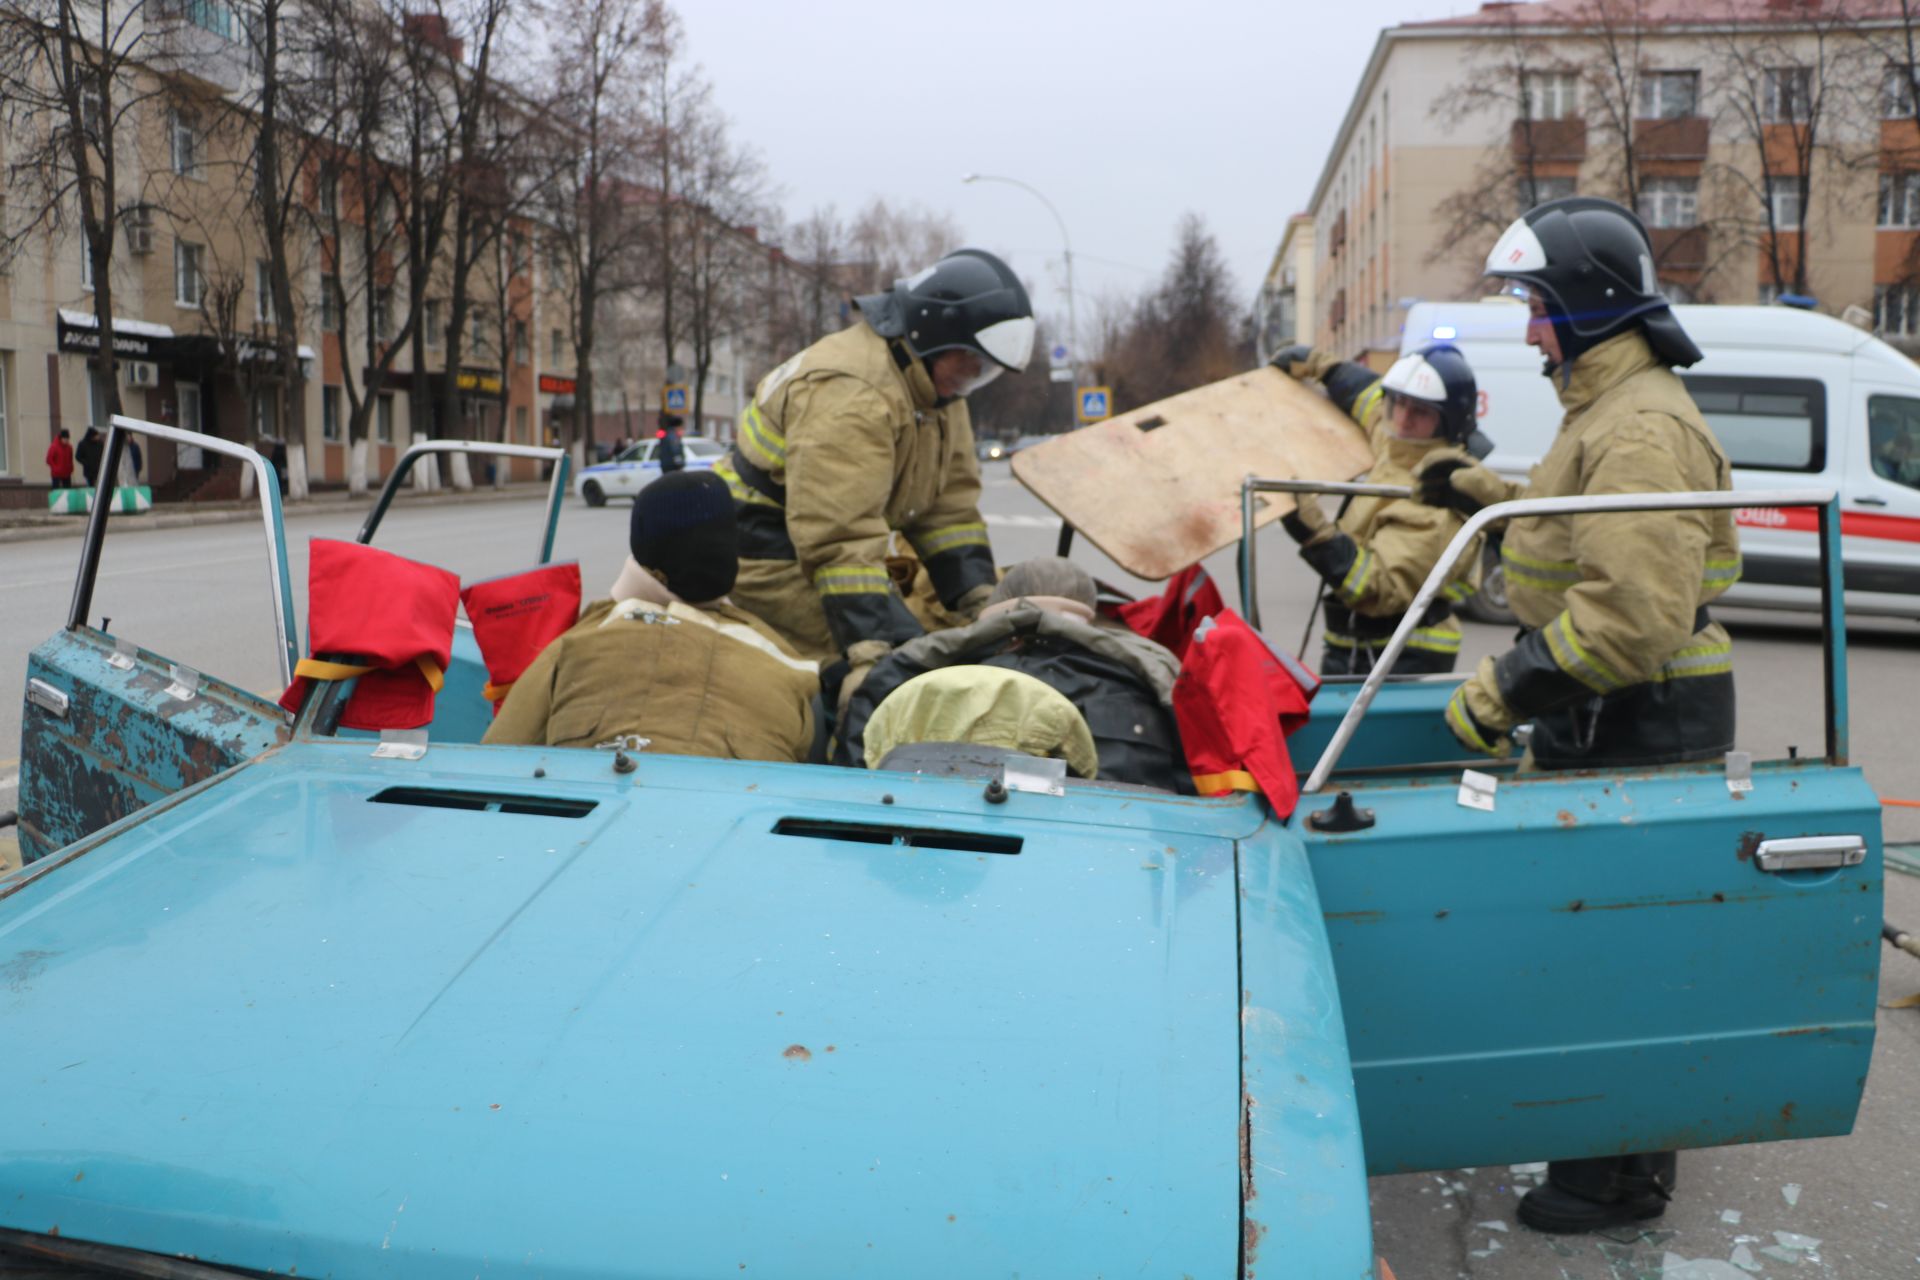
x: 1158, y: 489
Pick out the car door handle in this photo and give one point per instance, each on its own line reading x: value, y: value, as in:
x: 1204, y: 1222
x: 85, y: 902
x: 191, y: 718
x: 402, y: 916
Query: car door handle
x: 1870, y: 502
x: 1810, y: 853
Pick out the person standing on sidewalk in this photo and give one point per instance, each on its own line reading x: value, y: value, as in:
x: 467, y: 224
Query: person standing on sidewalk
x: 88, y: 456
x: 60, y: 459
x: 673, y: 454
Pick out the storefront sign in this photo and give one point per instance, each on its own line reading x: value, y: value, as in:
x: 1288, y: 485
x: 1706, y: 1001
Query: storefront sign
x: 554, y: 384
x: 482, y: 382
x: 133, y: 346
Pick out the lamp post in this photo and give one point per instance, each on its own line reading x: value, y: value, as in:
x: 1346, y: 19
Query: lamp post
x: 1073, y: 323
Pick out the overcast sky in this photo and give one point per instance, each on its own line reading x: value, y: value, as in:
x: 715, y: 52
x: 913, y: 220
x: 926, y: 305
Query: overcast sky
x: 1126, y: 114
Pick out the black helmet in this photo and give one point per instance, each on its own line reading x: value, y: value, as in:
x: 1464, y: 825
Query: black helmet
x: 969, y: 299
x: 1592, y: 264
x: 1437, y: 374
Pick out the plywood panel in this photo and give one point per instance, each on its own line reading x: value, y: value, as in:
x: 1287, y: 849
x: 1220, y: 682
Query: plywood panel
x: 1157, y: 489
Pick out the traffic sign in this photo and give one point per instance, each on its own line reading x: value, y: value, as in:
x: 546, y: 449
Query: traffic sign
x: 673, y: 398
x: 1058, y: 355
x: 1095, y: 403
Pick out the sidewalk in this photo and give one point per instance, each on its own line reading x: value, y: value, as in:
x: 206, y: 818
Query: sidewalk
x: 31, y: 526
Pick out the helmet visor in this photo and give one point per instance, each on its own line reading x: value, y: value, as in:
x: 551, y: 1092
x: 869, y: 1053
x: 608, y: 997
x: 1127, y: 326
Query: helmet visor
x: 1010, y: 342
x: 986, y: 372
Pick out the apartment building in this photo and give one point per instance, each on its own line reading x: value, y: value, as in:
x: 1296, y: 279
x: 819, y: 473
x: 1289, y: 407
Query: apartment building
x: 1284, y: 313
x: 1772, y: 148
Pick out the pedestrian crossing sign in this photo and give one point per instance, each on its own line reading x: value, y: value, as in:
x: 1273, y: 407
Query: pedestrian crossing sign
x: 674, y: 398
x: 1096, y: 403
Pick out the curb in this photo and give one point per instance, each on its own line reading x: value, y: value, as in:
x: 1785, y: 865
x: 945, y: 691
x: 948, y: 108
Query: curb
x: 187, y: 515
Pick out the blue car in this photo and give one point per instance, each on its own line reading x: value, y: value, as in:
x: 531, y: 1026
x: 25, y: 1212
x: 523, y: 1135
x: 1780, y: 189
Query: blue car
x: 636, y: 467
x: 282, y: 999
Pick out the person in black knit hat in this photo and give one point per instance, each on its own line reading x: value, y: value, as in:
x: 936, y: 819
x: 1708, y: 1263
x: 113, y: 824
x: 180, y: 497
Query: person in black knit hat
x: 669, y: 658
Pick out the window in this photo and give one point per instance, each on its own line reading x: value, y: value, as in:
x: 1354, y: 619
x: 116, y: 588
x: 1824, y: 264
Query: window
x: 1552, y: 95
x: 184, y: 140
x: 1900, y: 199
x: 262, y: 291
x: 6, y: 359
x: 436, y: 324
x: 1783, y: 195
x: 330, y: 414
x: 1896, y: 311
x: 99, y: 403
x: 1774, y: 424
x: 1670, y: 202
x: 329, y: 190
x: 557, y: 349
x: 86, y: 264
x: 1669, y: 95
x: 1893, y: 439
x: 208, y: 16
x: 383, y: 314
x: 1541, y: 190
x: 1896, y: 93
x: 1770, y: 295
x: 520, y: 424
x: 482, y: 333
x: 266, y: 412
x: 332, y: 312
x: 92, y: 115
x: 520, y: 353
x: 519, y: 254
x: 383, y: 420
x: 556, y: 258
x: 1786, y: 95
x: 189, y: 281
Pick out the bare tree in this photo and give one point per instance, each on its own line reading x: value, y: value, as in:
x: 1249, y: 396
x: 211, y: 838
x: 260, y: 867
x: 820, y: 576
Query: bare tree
x: 1889, y: 89
x: 718, y: 261
x: 1782, y: 89
x: 1184, y: 333
x: 1614, y: 39
x: 885, y: 243
x: 600, y: 53
x: 1501, y: 80
x: 72, y: 102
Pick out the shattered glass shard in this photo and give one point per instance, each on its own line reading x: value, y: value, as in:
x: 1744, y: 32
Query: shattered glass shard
x: 1791, y: 1194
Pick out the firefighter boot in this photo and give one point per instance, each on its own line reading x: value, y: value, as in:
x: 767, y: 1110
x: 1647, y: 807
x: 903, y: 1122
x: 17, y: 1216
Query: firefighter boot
x: 1585, y: 1195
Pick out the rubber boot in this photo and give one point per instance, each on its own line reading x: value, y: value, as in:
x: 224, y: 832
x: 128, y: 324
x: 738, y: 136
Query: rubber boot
x: 1608, y: 1191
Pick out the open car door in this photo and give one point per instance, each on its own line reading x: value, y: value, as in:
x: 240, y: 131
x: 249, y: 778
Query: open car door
x: 1554, y: 965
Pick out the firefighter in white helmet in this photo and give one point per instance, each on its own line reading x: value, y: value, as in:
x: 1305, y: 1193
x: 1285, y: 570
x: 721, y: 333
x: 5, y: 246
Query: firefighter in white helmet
x: 1375, y: 556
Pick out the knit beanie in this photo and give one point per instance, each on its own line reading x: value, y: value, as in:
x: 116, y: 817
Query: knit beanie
x: 1046, y: 576
x: 684, y: 534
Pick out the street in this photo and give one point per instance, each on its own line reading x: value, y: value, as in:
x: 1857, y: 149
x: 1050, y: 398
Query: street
x: 1843, y: 1207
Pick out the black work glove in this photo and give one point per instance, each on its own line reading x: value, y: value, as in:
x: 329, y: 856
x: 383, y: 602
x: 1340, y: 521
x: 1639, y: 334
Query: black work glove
x: 1457, y: 483
x: 1288, y: 358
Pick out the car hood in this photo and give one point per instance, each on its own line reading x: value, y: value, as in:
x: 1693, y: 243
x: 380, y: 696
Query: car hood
x: 280, y: 1024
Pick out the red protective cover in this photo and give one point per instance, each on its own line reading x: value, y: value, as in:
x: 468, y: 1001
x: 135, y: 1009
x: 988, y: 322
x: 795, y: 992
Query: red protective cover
x: 384, y: 611
x: 1169, y: 618
x: 517, y: 616
x: 1236, y: 700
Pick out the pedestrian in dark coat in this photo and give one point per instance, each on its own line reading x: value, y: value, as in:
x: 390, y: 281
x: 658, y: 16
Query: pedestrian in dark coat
x: 673, y: 454
x: 88, y: 455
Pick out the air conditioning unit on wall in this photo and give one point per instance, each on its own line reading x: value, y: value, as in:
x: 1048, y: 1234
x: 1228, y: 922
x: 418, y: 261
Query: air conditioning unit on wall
x: 140, y: 239
x: 142, y: 373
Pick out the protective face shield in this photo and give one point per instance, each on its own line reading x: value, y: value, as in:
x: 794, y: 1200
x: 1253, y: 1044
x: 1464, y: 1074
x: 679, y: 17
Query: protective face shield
x: 969, y: 300
x: 984, y: 371
x: 1436, y: 377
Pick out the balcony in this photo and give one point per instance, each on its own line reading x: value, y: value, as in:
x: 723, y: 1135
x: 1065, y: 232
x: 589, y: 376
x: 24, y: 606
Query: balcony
x: 1683, y: 138
x: 1550, y: 141
x: 1679, y: 248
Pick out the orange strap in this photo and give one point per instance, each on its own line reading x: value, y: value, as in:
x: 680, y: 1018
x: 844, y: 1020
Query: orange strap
x: 495, y: 692
x: 1232, y: 780
x: 316, y: 669
x: 1901, y: 804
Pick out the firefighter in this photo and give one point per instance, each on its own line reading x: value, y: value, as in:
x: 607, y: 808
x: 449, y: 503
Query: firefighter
x: 865, y: 434
x: 1620, y: 663
x: 1376, y: 555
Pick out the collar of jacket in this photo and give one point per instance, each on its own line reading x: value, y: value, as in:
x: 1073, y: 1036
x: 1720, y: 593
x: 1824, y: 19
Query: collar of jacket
x: 913, y: 374
x: 1409, y: 454
x: 1152, y: 663
x: 1602, y: 368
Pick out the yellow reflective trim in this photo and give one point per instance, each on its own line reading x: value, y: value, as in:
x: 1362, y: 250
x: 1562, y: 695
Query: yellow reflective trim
x: 739, y: 488
x: 1576, y: 661
x: 1552, y: 575
x: 1721, y: 571
x: 1462, y: 723
x: 1435, y: 640
x: 1363, y: 405
x: 852, y: 580
x: 950, y: 536
x: 1698, y: 660
x: 1357, y: 574
x: 1458, y: 591
x: 765, y: 440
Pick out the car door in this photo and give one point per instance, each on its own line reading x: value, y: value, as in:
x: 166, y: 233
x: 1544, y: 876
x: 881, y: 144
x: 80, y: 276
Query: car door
x: 1881, y: 496
x: 628, y: 474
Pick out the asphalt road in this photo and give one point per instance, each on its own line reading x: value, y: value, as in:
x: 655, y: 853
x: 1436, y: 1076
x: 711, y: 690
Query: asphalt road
x: 1841, y: 1208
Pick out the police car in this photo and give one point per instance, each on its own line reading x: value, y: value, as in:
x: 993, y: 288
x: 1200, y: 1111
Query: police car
x: 638, y: 466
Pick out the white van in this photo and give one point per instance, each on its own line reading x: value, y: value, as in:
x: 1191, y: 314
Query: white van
x: 1796, y: 399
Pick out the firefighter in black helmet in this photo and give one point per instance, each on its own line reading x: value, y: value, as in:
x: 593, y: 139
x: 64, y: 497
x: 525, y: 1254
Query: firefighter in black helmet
x: 1374, y: 558
x: 866, y: 434
x: 1620, y: 663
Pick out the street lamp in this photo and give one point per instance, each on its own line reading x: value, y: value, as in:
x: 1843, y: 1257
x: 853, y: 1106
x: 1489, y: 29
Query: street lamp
x: 1073, y: 324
